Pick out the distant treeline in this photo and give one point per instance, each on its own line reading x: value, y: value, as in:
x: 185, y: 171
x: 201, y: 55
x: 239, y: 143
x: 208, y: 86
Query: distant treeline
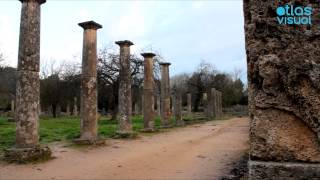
x: 60, y: 84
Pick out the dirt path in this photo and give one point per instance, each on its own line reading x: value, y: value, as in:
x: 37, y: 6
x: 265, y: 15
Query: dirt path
x: 202, y: 151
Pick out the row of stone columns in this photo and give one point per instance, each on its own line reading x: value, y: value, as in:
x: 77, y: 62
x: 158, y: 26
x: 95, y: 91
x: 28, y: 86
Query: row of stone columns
x: 213, y: 103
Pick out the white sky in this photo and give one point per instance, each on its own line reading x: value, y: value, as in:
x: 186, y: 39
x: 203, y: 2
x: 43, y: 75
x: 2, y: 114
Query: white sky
x: 185, y: 32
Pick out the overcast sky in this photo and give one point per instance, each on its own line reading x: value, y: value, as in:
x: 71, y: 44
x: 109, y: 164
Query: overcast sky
x: 184, y: 32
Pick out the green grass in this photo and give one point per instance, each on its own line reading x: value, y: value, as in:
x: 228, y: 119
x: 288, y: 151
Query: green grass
x: 64, y: 129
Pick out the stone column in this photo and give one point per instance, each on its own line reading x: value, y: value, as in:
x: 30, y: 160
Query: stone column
x: 158, y: 105
x: 212, y: 101
x: 12, y: 108
x: 220, y: 104
x: 125, y: 108
x: 178, y: 109
x: 165, y: 95
x: 205, y: 103
x: 172, y: 103
x: 284, y: 101
x: 148, y: 92
x: 88, y: 96
x: 75, y: 106
x: 189, y: 102
x: 28, y: 87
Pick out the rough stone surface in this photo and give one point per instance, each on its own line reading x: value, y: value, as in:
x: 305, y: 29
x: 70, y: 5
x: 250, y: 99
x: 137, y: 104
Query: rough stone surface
x: 12, y: 108
x: 29, y: 41
x: 212, y: 109
x: 96, y: 142
x: 283, y: 83
x: 148, y: 91
x: 178, y: 109
x: 89, y: 122
x: 189, y: 102
x: 28, y: 82
x: 125, y: 105
x: 283, y: 171
x: 26, y: 155
x: 165, y: 95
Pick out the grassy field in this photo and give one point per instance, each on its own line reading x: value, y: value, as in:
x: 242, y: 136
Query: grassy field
x: 63, y: 129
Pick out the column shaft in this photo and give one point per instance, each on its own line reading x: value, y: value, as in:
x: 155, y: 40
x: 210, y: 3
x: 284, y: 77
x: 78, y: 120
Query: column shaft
x: 165, y: 95
x: 125, y: 105
x: 189, y: 102
x: 28, y: 82
x: 148, y: 92
x: 88, y: 98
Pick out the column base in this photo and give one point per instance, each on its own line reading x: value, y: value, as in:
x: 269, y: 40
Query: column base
x: 166, y: 126
x: 259, y: 170
x: 27, y: 155
x: 126, y: 135
x: 96, y: 142
x: 180, y: 123
x: 149, y: 130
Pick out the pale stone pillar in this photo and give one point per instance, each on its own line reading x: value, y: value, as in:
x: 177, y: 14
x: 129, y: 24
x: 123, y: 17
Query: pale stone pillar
x: 189, y: 102
x: 220, y: 105
x: 148, y: 92
x: 75, y: 106
x: 88, y: 96
x: 205, y: 103
x: 165, y: 95
x: 283, y: 84
x: 212, y: 101
x: 178, y: 109
x: 125, y: 107
x: 12, y: 107
x: 28, y: 87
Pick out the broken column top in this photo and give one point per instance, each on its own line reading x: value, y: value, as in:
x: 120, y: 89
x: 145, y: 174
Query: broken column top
x: 124, y: 43
x: 148, y: 55
x: 90, y: 25
x: 165, y: 63
x: 39, y: 1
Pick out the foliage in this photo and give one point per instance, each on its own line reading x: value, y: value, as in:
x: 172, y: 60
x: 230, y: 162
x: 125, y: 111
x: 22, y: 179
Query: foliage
x: 206, y: 77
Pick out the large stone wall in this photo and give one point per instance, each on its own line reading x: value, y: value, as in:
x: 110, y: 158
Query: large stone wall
x: 284, y: 102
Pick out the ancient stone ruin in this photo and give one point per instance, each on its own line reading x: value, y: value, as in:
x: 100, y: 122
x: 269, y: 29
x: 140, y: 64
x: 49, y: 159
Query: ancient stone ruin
x: 165, y: 95
x: 284, y: 101
x: 125, y: 105
x: 213, y: 103
x: 178, y: 109
x: 148, y: 92
x: 89, y: 134
x: 189, y: 102
x: 27, y: 146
